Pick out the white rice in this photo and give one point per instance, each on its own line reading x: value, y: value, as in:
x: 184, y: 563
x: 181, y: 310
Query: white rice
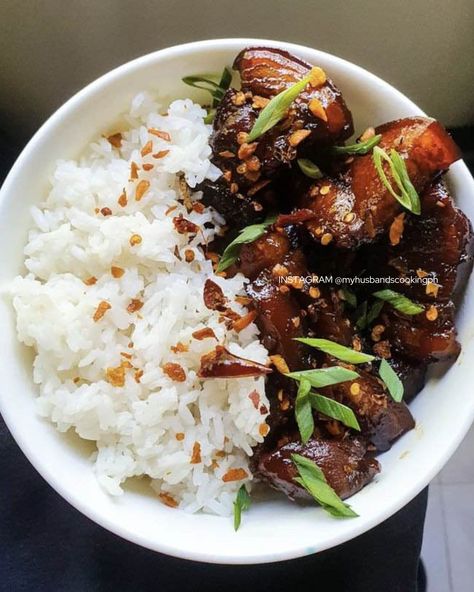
x: 135, y: 426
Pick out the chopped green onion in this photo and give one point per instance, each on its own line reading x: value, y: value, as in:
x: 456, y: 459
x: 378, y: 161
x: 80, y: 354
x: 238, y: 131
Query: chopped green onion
x: 217, y: 89
x: 335, y: 410
x: 391, y: 380
x: 310, y: 169
x: 314, y: 481
x: 211, y: 113
x: 242, y: 503
x: 349, y: 297
x: 276, y: 109
x: 249, y: 234
x: 303, y: 411
x: 374, y: 311
x: 399, y: 301
x: 224, y: 82
x: 322, y: 377
x: 408, y: 195
x: 359, y: 147
x: 361, y: 313
x: 340, y: 352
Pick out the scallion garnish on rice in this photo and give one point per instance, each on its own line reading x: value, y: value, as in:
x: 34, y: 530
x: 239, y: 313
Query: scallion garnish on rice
x: 242, y: 503
x: 217, y: 89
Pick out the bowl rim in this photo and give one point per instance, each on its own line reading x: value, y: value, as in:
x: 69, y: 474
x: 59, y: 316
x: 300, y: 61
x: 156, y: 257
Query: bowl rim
x: 391, y: 506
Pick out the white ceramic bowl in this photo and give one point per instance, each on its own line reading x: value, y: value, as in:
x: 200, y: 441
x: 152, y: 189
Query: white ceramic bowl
x: 273, y: 529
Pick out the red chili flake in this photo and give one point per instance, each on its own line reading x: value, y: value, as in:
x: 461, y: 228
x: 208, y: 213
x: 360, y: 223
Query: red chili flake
x: 134, y: 170
x: 168, y: 500
x: 160, y: 154
x: 204, y: 334
x: 234, y: 475
x: 141, y: 189
x: 183, y: 226
x: 159, y: 134
x: 263, y: 410
x: 296, y: 217
x: 179, y: 348
x: 122, y: 200
x: 240, y: 324
x: 198, y: 207
x: 220, y: 363
x: 255, y: 398
x: 212, y: 256
x: 174, y: 371
x: 115, y: 140
x: 147, y: 148
x: 231, y: 315
x: 396, y: 229
x: 134, y: 305
x: 196, y: 455
x: 101, y: 309
x: 213, y: 295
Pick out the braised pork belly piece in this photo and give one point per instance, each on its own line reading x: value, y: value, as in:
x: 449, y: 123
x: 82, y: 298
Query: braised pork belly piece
x: 345, y: 464
x: 355, y: 207
x: 318, y: 117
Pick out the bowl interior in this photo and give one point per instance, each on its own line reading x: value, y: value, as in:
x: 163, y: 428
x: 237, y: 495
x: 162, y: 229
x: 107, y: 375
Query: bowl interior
x: 274, y: 528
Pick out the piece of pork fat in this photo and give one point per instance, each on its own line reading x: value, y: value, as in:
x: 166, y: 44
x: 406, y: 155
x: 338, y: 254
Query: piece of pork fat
x: 318, y: 117
x: 355, y: 207
x: 345, y: 465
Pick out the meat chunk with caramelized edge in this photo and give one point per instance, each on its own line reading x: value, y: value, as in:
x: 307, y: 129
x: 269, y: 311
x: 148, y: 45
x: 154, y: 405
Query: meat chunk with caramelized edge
x: 356, y: 207
x: 345, y: 465
x: 436, y: 246
x: 436, y: 249
x: 382, y: 420
x: 318, y: 117
x: 320, y: 108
